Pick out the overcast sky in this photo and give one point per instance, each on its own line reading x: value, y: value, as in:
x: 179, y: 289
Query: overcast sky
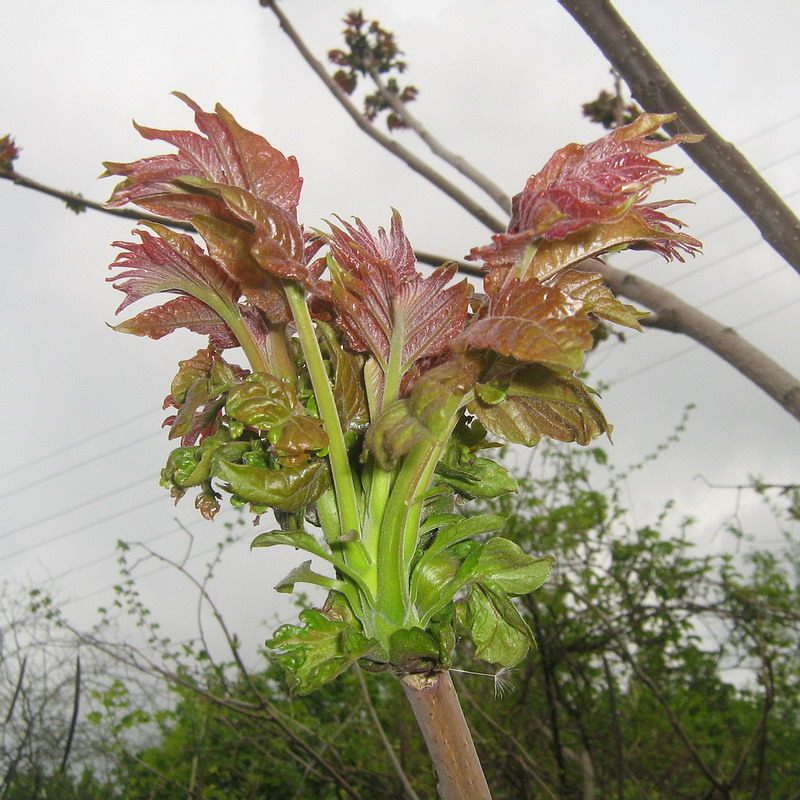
x: 502, y: 84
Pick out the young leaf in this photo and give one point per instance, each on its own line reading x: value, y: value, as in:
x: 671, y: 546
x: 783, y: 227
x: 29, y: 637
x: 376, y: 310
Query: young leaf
x: 289, y: 489
x: 424, y: 413
x: 227, y: 154
x: 542, y: 402
x: 383, y: 303
x: 498, y: 631
x: 532, y: 322
x: 591, y: 190
x: 173, y: 262
x: 315, y: 654
x: 503, y: 565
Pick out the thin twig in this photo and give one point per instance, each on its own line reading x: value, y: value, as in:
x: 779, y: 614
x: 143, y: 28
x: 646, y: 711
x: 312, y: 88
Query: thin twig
x: 398, y: 767
x: 76, y: 199
x: 76, y: 702
x: 394, y: 147
x: 459, y: 163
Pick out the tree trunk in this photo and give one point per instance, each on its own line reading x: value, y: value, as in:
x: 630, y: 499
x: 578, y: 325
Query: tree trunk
x: 441, y: 720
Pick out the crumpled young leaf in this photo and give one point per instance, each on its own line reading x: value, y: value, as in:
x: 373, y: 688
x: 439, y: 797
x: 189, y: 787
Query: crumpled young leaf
x: 316, y: 653
x: 497, y: 630
x: 537, y: 401
x: 425, y: 413
x: 382, y: 302
x: 289, y: 489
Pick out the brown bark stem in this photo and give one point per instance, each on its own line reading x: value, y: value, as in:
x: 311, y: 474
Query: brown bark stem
x: 435, y: 704
x: 720, y: 160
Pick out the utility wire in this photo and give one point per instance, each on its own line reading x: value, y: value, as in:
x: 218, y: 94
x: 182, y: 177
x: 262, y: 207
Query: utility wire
x: 58, y: 473
x: 77, y: 507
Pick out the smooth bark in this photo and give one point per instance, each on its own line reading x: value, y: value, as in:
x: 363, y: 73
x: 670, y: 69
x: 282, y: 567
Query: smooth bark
x: 435, y: 704
x: 720, y: 160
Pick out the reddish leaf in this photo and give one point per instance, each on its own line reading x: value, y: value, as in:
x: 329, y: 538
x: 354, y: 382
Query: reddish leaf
x: 171, y: 262
x: 541, y: 402
x: 590, y: 190
x: 182, y: 312
x: 532, y: 322
x: 8, y: 152
x: 382, y: 301
x: 227, y: 154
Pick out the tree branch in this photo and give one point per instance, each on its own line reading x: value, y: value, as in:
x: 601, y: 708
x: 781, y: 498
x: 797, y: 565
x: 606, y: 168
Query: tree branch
x: 394, y: 147
x: 673, y: 314
x: 441, y: 720
x: 720, y: 160
x: 437, y: 148
x: 77, y: 200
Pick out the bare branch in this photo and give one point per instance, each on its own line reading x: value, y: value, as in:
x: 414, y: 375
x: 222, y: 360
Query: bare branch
x: 437, y: 148
x: 673, y: 314
x: 394, y: 147
x: 720, y: 160
x: 77, y: 200
x: 398, y: 767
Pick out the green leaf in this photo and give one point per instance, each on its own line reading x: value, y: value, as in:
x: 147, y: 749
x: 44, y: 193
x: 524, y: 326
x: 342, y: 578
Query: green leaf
x: 542, y: 402
x: 305, y: 541
x: 498, y: 631
x: 288, y: 489
x: 262, y: 401
x: 413, y: 650
x: 425, y: 414
x: 315, y: 654
x: 464, y: 528
x: 473, y: 476
x: 505, y: 566
x: 304, y: 574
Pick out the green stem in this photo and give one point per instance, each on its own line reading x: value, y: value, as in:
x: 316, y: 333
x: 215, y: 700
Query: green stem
x: 346, y: 499
x: 399, y: 534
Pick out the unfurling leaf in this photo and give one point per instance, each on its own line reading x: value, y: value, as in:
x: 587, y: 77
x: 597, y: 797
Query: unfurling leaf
x: 543, y: 402
x: 268, y: 404
x: 425, y: 414
x: 503, y: 565
x: 289, y: 489
x: 318, y: 652
x: 384, y: 304
x: 499, y: 633
x: 534, y: 323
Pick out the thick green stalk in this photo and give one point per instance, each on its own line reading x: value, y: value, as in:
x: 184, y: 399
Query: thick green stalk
x: 400, y: 531
x: 346, y: 500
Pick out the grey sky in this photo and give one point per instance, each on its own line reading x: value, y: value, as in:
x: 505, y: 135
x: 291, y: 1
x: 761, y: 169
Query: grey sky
x: 500, y: 83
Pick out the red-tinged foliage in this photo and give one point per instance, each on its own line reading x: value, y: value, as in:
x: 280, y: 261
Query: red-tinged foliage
x: 169, y: 262
x: 228, y: 154
x: 8, y: 152
x: 182, y: 312
x: 531, y: 322
x: 378, y: 296
x: 602, y: 183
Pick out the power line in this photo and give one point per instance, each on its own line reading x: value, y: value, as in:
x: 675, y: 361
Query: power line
x: 66, y: 470
x: 104, y: 432
x: 76, y: 507
x: 673, y: 356
x: 82, y: 528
